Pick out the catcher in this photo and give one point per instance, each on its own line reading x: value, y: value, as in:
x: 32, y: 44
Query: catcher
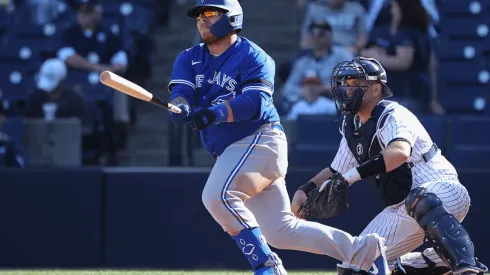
x: 385, y: 142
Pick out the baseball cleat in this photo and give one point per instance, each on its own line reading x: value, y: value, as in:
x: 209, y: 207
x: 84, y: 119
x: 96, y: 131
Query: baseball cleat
x: 273, y: 266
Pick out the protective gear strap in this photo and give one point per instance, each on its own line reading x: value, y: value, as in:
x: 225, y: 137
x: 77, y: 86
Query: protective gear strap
x: 372, y: 167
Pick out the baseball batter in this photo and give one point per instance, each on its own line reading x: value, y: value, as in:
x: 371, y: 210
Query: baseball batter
x: 385, y: 142
x: 224, y: 87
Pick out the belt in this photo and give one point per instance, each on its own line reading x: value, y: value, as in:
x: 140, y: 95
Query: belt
x: 277, y: 126
x: 427, y: 156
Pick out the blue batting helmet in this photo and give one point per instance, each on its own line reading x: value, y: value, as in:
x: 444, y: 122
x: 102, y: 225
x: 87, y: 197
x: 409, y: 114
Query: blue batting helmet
x: 232, y: 19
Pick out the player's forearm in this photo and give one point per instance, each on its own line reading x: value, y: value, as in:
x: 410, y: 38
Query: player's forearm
x: 80, y: 62
x: 321, y: 177
x: 244, y: 106
x: 389, y: 159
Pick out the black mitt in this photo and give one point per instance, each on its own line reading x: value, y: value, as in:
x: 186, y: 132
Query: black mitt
x: 330, y: 202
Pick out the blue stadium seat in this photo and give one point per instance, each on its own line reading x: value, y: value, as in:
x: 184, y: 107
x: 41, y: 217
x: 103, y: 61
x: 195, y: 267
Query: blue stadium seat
x: 112, y: 8
x: 13, y: 127
x: 461, y: 8
x: 464, y: 29
x: 469, y: 142
x: 458, y: 73
x: 468, y: 100
x: 16, y: 92
x: 437, y: 127
x: 460, y: 51
x: 141, y: 18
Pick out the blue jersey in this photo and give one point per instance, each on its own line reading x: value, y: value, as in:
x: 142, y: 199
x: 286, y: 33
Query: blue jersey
x: 205, y: 80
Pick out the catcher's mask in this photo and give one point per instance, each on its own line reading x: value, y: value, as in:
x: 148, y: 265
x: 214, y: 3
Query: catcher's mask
x: 349, y: 97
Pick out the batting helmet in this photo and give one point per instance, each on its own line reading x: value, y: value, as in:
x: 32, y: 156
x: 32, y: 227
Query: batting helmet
x: 349, y: 98
x: 232, y: 19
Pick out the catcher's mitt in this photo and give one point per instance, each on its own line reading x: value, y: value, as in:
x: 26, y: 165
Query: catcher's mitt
x: 330, y: 202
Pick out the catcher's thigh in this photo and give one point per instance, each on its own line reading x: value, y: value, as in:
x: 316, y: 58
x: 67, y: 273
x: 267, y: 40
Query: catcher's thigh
x: 243, y: 170
x: 403, y: 234
x: 283, y: 230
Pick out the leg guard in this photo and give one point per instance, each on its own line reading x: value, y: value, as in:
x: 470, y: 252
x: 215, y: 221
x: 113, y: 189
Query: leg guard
x: 448, y: 237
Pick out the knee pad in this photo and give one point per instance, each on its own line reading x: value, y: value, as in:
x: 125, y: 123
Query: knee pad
x: 447, y: 236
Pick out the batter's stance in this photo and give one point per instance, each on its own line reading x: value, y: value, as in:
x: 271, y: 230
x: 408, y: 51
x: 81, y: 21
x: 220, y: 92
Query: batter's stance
x: 385, y: 142
x: 225, y: 88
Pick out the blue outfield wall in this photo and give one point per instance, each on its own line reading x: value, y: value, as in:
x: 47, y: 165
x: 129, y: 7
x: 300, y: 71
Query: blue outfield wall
x: 154, y: 218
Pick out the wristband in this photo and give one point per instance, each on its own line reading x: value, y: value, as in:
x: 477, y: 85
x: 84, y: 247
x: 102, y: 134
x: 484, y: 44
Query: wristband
x: 308, y: 187
x: 372, y: 167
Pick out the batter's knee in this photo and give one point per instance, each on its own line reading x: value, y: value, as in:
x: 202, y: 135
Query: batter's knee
x: 281, y: 235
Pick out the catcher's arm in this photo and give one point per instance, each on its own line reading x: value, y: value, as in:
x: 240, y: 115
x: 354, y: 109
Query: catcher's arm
x: 390, y: 158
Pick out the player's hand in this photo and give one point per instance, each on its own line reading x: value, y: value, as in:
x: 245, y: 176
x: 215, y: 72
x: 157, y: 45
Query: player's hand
x: 299, y: 199
x: 184, y: 116
x: 203, y: 118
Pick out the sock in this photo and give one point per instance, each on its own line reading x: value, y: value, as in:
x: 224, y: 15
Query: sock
x: 254, y: 247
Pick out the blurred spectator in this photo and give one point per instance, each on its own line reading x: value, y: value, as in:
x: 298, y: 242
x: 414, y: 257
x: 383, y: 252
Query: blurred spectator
x: 404, y: 49
x: 322, y: 58
x: 90, y: 46
x: 45, y: 11
x: 52, y: 96
x: 379, y: 14
x: 312, y: 102
x: 348, y: 21
x: 10, y: 153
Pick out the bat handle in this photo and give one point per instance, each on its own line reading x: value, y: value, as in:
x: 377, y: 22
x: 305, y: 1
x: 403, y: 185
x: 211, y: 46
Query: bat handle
x: 172, y: 108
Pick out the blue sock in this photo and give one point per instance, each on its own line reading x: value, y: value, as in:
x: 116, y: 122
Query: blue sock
x: 254, y: 247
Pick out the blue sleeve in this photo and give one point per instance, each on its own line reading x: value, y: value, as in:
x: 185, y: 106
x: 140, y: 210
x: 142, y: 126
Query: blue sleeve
x: 182, y: 79
x: 257, y: 88
x: 258, y: 83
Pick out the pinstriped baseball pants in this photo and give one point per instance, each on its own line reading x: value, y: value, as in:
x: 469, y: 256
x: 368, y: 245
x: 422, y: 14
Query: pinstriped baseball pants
x: 402, y: 232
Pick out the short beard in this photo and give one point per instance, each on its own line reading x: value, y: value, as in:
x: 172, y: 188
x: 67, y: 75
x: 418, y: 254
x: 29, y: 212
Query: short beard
x: 210, y: 40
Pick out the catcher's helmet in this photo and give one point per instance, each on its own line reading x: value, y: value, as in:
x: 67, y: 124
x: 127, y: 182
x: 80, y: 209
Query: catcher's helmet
x: 348, y: 99
x: 232, y: 19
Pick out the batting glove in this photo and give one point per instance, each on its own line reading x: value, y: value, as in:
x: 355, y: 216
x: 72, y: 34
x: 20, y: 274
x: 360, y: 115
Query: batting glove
x: 184, y: 116
x: 203, y: 118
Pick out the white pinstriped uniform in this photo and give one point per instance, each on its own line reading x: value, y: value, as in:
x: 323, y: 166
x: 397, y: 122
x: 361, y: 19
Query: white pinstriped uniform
x: 402, y: 232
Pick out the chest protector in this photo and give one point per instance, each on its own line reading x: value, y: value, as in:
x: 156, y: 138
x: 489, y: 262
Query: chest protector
x: 394, y: 186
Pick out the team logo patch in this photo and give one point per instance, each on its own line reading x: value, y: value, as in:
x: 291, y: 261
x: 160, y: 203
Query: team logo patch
x: 359, y: 149
x: 223, y: 98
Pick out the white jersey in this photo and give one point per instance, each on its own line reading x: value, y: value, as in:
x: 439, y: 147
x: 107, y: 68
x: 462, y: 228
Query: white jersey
x: 402, y: 124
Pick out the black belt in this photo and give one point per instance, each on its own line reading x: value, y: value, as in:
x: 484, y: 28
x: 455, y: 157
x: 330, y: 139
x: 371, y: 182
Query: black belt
x: 427, y: 156
x: 277, y: 126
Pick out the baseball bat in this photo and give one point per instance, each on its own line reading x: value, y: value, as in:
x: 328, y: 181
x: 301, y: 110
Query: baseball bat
x: 123, y: 85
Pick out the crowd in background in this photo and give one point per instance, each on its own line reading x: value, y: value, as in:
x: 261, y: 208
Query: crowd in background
x: 401, y: 34
x: 77, y: 45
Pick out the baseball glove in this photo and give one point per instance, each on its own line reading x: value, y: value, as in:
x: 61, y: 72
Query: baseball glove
x: 330, y: 202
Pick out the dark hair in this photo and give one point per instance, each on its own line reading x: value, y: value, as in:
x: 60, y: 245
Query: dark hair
x: 413, y: 15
